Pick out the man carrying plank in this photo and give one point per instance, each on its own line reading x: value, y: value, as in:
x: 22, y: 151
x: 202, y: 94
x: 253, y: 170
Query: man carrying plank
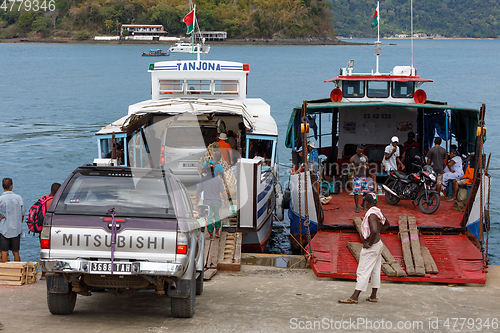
x: 370, y: 259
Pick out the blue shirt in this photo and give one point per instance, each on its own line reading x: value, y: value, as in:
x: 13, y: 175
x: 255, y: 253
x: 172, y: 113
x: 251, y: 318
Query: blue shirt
x: 12, y: 210
x: 313, y: 155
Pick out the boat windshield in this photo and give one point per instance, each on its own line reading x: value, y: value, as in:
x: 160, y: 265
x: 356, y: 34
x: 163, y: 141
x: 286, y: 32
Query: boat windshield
x: 402, y: 89
x: 353, y: 89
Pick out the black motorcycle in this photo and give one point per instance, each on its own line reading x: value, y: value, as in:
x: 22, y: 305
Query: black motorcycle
x: 415, y: 187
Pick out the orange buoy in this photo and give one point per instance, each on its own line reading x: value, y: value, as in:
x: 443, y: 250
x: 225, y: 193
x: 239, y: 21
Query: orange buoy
x: 304, y: 128
x: 420, y: 96
x: 478, y: 132
x: 336, y: 95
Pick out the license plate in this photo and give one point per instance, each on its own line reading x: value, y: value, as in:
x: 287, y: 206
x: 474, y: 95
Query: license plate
x: 189, y: 165
x: 105, y: 267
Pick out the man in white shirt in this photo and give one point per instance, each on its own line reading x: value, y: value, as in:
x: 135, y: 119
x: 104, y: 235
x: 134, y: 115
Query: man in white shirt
x: 392, y: 155
x: 12, y: 212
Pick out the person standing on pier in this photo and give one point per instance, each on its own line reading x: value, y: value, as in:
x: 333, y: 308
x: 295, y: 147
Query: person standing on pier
x: 370, y: 258
x: 358, y: 164
x: 12, y: 212
x: 213, y: 190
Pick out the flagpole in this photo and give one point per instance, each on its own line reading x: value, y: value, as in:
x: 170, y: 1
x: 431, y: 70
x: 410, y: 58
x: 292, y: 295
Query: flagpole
x: 377, y: 43
x: 192, y: 34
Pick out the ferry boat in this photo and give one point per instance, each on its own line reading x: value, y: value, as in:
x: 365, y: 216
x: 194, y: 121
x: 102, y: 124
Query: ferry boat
x: 189, y: 48
x: 368, y: 109
x: 156, y: 53
x: 193, y: 103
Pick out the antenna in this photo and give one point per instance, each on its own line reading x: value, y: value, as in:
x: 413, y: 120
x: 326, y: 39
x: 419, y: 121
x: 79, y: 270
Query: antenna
x: 411, y: 33
x: 378, y: 48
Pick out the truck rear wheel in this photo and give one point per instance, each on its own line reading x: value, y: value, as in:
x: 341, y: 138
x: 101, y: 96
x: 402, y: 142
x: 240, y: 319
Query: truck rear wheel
x: 184, y: 307
x: 61, y: 304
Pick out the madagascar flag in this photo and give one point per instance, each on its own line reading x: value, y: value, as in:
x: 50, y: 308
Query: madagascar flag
x: 189, y: 20
x: 375, y: 17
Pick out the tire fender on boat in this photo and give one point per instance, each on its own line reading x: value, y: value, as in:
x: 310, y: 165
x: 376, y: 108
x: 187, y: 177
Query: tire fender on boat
x: 286, y: 199
x: 280, y: 213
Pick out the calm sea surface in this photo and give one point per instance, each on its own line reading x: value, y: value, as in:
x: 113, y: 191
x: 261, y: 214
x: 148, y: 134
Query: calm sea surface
x: 53, y: 98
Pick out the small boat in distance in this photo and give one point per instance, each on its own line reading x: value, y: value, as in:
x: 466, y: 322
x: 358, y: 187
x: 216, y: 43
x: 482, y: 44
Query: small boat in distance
x: 189, y: 48
x: 156, y: 53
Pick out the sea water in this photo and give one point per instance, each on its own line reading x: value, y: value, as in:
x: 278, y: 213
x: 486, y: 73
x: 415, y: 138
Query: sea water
x: 55, y: 97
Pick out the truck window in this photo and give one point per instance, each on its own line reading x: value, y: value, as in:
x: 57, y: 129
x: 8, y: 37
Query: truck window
x: 130, y: 196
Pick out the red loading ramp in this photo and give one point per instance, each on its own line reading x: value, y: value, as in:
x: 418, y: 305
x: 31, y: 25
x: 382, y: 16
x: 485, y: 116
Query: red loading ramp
x: 457, y: 259
x: 340, y: 211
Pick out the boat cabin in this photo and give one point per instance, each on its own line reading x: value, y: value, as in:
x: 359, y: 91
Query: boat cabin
x: 369, y: 109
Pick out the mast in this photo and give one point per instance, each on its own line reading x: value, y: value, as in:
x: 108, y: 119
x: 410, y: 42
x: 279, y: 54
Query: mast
x: 378, y: 48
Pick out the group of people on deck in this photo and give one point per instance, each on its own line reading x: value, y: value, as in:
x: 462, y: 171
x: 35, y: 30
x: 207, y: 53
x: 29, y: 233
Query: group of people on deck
x: 449, y: 167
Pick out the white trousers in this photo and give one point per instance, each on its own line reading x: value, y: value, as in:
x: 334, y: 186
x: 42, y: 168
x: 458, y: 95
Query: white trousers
x: 370, y: 263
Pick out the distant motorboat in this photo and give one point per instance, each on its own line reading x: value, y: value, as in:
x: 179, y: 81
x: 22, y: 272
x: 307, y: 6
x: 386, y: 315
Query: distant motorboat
x: 156, y: 53
x: 189, y: 48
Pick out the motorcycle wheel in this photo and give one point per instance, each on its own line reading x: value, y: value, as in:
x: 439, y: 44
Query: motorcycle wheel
x: 431, y: 205
x: 391, y: 199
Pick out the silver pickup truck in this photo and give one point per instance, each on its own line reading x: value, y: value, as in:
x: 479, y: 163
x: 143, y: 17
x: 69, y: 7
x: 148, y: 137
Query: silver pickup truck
x: 124, y: 230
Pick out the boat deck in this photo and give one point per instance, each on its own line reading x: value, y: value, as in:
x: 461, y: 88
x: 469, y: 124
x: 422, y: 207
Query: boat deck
x: 339, y: 213
x: 457, y: 259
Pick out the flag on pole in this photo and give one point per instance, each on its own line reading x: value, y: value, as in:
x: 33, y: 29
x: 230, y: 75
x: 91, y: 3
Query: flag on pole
x: 189, y: 20
x: 375, y: 17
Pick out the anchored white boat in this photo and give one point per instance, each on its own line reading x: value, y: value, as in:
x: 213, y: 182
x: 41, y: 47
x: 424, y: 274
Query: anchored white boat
x: 194, y: 102
x: 189, y: 48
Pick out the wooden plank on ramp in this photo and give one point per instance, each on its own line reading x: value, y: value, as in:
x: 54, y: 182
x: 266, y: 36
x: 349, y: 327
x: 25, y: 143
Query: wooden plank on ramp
x: 389, y: 265
x: 418, y: 261
x: 229, y: 251
x: 404, y: 236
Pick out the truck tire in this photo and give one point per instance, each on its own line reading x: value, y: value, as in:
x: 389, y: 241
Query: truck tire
x: 199, y: 283
x: 184, y: 307
x: 61, y: 304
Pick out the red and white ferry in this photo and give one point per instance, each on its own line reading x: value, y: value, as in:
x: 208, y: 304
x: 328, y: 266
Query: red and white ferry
x: 368, y: 109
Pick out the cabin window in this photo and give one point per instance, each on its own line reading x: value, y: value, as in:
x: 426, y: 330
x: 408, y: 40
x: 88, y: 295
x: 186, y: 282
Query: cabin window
x: 106, y: 149
x: 378, y: 89
x: 198, y: 87
x: 170, y: 86
x: 225, y: 86
x: 353, y: 89
x: 260, y: 148
x: 402, y: 89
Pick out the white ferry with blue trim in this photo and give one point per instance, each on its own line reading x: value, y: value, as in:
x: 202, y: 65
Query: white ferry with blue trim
x: 193, y: 103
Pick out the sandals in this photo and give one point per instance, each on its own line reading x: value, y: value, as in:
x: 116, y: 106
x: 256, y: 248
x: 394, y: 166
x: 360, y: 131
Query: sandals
x: 348, y: 300
x: 374, y: 300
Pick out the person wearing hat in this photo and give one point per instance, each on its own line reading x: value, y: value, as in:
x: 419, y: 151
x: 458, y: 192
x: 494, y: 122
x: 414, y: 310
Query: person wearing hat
x: 225, y: 148
x: 370, y: 257
x: 392, y: 154
x: 453, y: 170
x: 359, y: 164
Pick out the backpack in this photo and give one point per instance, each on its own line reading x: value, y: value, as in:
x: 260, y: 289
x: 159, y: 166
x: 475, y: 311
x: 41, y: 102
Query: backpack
x: 36, y: 214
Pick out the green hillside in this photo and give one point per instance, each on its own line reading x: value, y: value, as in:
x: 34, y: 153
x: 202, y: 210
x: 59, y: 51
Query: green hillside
x: 448, y: 18
x: 240, y: 18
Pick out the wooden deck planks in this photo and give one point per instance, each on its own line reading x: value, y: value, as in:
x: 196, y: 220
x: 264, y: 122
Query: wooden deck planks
x: 389, y: 265
x: 404, y: 236
x: 429, y: 263
x: 418, y: 260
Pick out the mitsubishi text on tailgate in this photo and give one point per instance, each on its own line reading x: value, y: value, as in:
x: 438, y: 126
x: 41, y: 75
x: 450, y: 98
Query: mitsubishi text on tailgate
x: 124, y: 230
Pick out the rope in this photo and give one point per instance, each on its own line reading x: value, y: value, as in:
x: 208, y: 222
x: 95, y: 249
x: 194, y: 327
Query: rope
x: 306, y: 174
x: 307, y: 255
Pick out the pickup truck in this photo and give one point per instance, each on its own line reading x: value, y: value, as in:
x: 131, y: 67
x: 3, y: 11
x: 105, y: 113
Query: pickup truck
x: 122, y: 229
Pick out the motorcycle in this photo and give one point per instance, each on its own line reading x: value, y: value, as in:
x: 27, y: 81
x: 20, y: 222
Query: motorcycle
x: 415, y: 187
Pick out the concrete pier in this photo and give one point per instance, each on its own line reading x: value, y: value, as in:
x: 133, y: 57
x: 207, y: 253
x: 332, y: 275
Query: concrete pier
x: 266, y: 299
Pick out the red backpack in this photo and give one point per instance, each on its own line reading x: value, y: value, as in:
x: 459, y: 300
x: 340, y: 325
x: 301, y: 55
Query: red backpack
x: 36, y: 214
